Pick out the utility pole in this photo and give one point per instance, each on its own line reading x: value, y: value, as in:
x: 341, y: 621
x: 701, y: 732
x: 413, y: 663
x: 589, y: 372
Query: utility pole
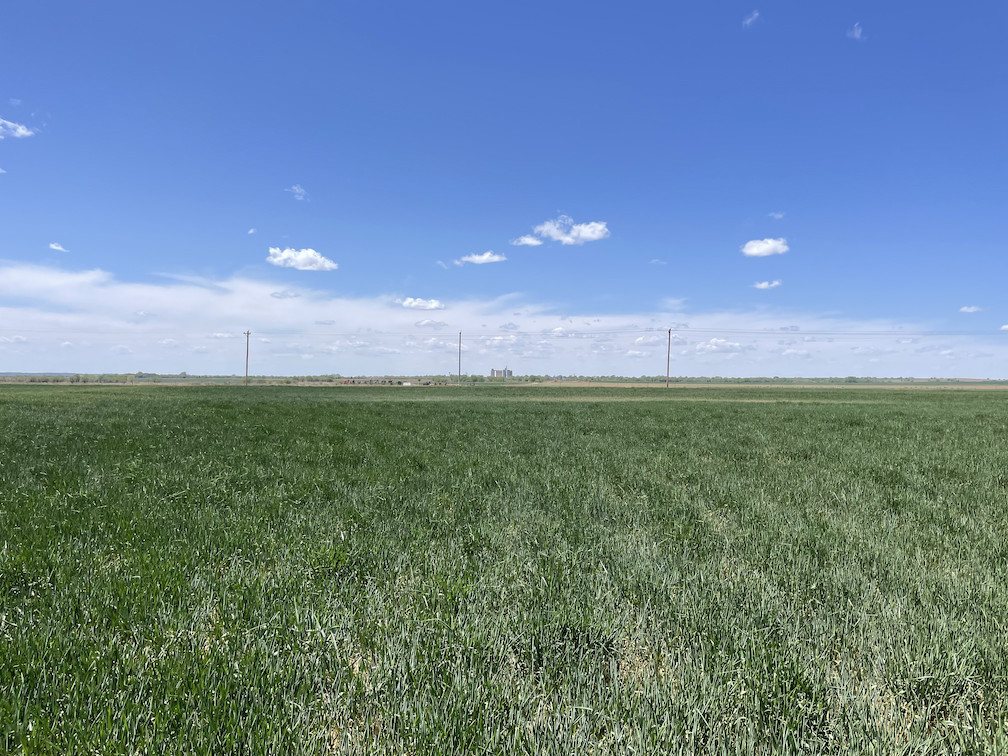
x: 668, y: 357
x: 247, y: 334
x: 460, y: 359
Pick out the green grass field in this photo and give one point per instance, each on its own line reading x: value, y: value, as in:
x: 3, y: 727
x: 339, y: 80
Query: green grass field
x: 503, y: 570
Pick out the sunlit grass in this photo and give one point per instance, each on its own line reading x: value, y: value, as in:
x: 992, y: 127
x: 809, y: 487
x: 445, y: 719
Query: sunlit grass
x: 270, y: 570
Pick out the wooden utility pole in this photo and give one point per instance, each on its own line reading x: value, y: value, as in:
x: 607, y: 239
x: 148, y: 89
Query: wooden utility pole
x: 460, y: 359
x: 247, y: 334
x: 668, y: 357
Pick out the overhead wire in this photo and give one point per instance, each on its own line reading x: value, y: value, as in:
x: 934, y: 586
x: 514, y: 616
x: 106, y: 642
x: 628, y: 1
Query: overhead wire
x: 559, y: 332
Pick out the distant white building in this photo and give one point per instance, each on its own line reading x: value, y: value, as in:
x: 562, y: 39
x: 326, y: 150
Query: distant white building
x: 505, y: 373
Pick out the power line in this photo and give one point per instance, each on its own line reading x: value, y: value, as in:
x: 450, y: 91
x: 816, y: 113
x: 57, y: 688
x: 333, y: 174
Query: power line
x: 551, y: 333
x: 631, y: 332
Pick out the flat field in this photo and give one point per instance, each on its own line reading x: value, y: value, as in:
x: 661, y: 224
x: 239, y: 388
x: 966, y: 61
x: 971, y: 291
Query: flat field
x: 503, y: 570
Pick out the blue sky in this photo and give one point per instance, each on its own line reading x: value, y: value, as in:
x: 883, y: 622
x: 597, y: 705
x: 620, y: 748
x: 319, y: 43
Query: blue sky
x: 794, y: 188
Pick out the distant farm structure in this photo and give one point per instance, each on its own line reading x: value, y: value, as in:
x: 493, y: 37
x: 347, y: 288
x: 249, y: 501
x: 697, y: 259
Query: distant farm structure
x: 505, y: 373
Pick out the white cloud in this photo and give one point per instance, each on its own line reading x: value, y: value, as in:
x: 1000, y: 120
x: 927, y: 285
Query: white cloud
x: 2, y: 170
x: 441, y: 264
x: 662, y: 339
x: 57, y: 246
x: 656, y: 261
x: 487, y: 257
x: 222, y: 335
x: 298, y: 191
x: 300, y: 259
x: 428, y: 323
x: 526, y: 241
x: 767, y: 284
x: 564, y: 230
x: 717, y: 346
x: 284, y: 294
x: 636, y: 353
x: 251, y: 231
x: 776, y: 215
x: 496, y: 341
x: 416, y: 303
x: 15, y: 130
x: 871, y: 350
x: 370, y: 336
x: 445, y: 345
x: 856, y: 32
x: 12, y: 339
x: 970, y: 308
x: 765, y: 247
x: 1004, y: 327
x: 750, y: 19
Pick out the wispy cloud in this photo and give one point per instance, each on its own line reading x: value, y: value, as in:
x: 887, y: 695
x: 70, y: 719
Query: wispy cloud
x: 487, y: 257
x: 57, y: 246
x: 284, y: 294
x: 45, y: 303
x: 428, y: 323
x: 750, y: 19
x: 656, y: 261
x: 718, y: 346
x: 564, y: 230
x: 526, y: 241
x: 970, y: 308
x: 650, y: 339
x: 441, y: 264
x: 653, y: 340
x: 765, y: 247
x: 416, y: 303
x: 298, y: 191
x: 2, y: 170
x: 766, y: 284
x: 14, y: 101
x: 776, y: 215
x: 251, y: 231
x: 299, y: 259
x: 15, y: 130
x: 1004, y: 327
x: 856, y: 32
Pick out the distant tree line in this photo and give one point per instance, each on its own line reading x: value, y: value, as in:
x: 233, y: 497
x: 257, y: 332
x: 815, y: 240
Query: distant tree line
x: 334, y: 379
